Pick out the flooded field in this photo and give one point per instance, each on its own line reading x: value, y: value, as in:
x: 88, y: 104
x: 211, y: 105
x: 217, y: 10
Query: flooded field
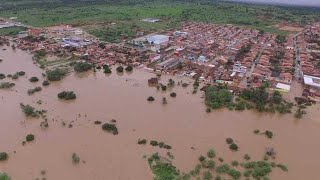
x: 182, y: 123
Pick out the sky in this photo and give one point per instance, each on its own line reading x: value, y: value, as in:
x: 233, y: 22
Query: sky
x: 292, y: 2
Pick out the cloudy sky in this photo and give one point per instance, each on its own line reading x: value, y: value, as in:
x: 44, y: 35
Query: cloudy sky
x: 294, y: 2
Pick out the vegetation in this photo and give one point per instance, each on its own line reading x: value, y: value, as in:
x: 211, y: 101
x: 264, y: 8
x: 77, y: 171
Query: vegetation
x: 29, y: 137
x: 32, y: 91
x: 29, y: 111
x: 129, y: 68
x: 82, y: 66
x: 6, y: 85
x: 75, y: 158
x: 3, y: 156
x: 4, y: 176
x: 12, y: 31
x: 33, y: 79
x: 217, y: 96
x: 162, y: 170
x: 173, y: 94
x: 119, y: 69
x: 110, y: 128
x: 45, y: 83
x: 67, y: 95
x: 211, y: 153
x: 142, y: 141
x: 234, y: 147
x: 56, y: 74
x: 150, y: 99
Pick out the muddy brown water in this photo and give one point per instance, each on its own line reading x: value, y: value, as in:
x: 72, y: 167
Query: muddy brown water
x: 182, y: 123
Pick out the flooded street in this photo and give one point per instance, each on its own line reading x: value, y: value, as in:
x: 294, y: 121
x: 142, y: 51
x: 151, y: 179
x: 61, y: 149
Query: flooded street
x: 182, y: 123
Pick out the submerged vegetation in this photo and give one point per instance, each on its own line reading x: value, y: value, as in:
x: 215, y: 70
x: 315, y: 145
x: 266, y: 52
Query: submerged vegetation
x: 56, y: 74
x: 110, y: 128
x: 258, y: 98
x: 82, y: 66
x: 4, y: 176
x: 3, y: 156
x: 67, y: 95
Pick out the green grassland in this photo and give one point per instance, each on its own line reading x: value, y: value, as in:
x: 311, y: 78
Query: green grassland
x: 127, y: 15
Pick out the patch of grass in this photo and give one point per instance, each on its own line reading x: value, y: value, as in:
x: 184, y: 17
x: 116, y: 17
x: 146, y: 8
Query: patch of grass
x: 12, y: 31
x: 4, y: 176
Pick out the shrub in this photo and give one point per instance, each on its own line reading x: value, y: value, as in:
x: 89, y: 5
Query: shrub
x: 2, y: 76
x: 21, y: 73
x: 56, y: 74
x: 211, y: 164
x: 32, y: 91
x: 224, y: 168
x: 129, y: 68
x: 229, y: 141
x: 29, y: 110
x: 166, y: 146
x: 234, y: 147
x: 257, y: 131
x: 154, y: 143
x: 282, y: 167
x: 163, y: 87
x: 220, y: 159
x: 67, y: 95
x: 45, y: 83
x: 218, y: 178
x: 202, y: 158
x: 235, y: 163
x: 75, y: 158
x: 111, y: 128
x: 33, y: 79
x: 29, y: 137
x: 173, y: 94
x: 15, y: 76
x: 247, y: 157
x: 208, y: 110
x: 150, y: 99
x: 269, y: 134
x: 3, y: 156
x: 4, y: 176
x: 211, y: 153
x: 6, y: 85
x: 164, y: 100
x: 234, y: 173
x: 207, y: 175
x: 119, y: 69
x: 107, y: 71
x: 82, y: 66
x: 142, y: 141
x: 97, y: 122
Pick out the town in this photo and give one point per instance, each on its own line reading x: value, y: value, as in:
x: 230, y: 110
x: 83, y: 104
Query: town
x: 239, y: 57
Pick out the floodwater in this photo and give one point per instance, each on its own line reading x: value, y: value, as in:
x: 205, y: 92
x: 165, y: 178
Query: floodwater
x: 182, y: 123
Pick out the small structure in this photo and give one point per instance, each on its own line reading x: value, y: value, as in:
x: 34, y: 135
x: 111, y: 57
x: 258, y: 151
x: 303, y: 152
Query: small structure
x: 158, y: 39
x: 312, y: 81
x: 151, y: 20
x: 283, y: 87
x: 170, y: 63
x: 237, y: 67
x: 202, y: 59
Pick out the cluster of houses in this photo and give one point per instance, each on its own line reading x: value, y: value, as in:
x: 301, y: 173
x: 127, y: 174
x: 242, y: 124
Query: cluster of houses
x: 237, y: 56
x: 308, y: 43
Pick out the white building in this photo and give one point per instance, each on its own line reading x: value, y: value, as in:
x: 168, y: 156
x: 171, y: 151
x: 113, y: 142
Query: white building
x: 157, y: 39
x: 237, y: 67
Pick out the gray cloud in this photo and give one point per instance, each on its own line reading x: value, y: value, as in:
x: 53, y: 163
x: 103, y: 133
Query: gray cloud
x: 292, y: 2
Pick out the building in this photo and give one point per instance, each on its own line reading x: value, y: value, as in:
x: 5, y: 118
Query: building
x: 237, y: 67
x: 312, y: 81
x: 158, y: 39
x: 170, y: 63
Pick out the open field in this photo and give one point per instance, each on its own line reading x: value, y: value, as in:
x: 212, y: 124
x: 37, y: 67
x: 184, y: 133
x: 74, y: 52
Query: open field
x: 127, y: 15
